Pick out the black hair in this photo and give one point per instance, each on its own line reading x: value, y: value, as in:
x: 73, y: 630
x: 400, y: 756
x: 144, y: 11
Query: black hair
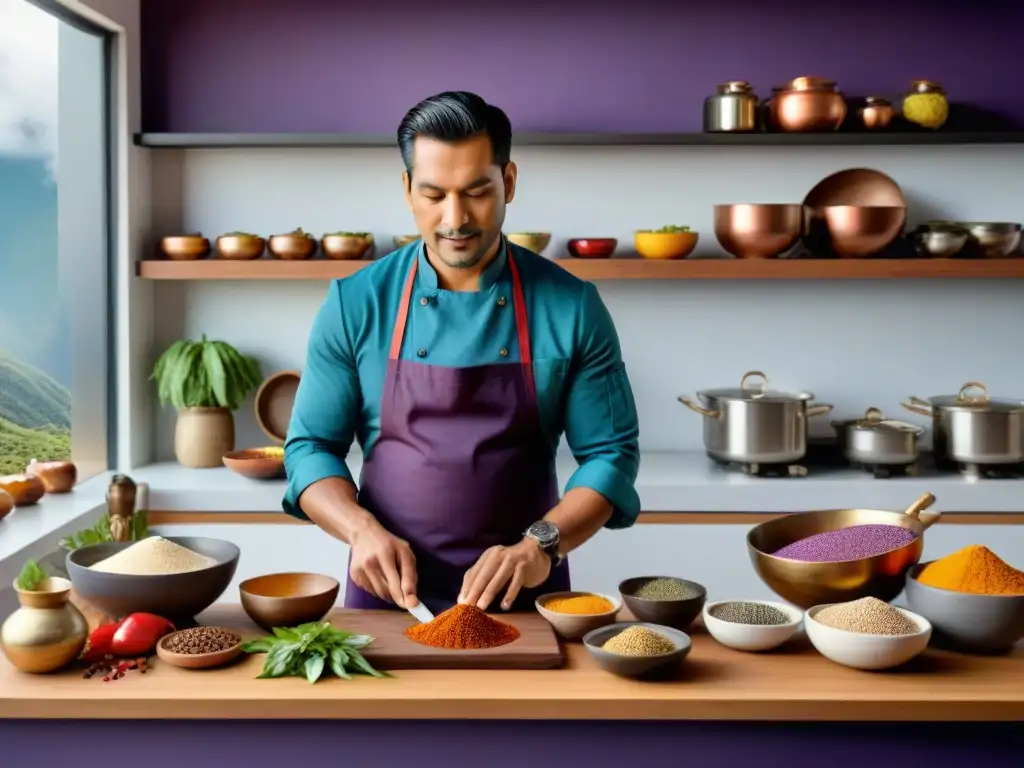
x: 455, y: 116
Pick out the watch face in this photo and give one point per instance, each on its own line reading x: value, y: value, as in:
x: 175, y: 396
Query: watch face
x: 545, y: 533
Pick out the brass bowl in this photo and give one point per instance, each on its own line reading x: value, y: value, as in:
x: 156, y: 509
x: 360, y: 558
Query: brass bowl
x: 240, y: 247
x: 860, y: 231
x: 288, y: 599
x: 808, y: 584
x: 347, y: 247
x: 758, y: 231
x: 401, y: 241
x: 293, y: 246
x: 184, y: 247
x: 531, y: 241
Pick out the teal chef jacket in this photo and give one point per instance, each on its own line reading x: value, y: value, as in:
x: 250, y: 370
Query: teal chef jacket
x: 582, y: 388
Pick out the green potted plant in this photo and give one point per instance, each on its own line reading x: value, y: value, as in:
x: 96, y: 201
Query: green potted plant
x: 206, y: 381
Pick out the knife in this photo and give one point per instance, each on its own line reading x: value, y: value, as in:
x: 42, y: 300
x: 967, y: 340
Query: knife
x: 421, y: 613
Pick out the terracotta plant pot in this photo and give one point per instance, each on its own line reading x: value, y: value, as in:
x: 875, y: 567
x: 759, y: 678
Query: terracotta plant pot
x: 47, y: 632
x: 202, y: 436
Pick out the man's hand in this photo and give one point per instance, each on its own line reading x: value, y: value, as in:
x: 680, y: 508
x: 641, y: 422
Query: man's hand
x: 383, y: 565
x: 522, y: 565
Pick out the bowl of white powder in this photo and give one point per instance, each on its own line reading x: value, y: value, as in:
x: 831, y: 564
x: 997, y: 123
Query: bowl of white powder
x: 175, y: 577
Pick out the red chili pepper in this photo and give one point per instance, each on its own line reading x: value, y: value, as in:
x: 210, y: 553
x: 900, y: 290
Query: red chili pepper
x: 138, y: 634
x: 100, y: 642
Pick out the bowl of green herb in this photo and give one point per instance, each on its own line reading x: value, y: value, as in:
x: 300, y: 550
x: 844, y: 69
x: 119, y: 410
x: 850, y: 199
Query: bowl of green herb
x: 668, y: 242
x: 309, y: 650
x: 240, y: 246
x: 347, y: 246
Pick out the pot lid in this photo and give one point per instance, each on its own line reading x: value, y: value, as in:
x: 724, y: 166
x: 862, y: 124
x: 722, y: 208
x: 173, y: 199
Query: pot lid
x: 873, y: 418
x: 973, y: 396
x: 755, y: 391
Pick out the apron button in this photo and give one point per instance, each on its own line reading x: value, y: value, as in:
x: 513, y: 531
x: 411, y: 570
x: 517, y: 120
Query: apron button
x: 424, y: 301
x: 502, y: 301
x: 503, y: 352
x: 422, y: 353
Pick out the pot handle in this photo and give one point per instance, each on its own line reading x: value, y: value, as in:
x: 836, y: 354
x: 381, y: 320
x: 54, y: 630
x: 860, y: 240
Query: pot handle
x: 762, y: 390
x: 819, y: 409
x: 918, y: 406
x: 961, y: 396
x: 699, y: 409
x: 925, y: 500
x: 929, y: 518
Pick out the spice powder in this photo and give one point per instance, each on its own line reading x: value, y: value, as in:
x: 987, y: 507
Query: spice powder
x: 463, y: 627
x: 974, y: 569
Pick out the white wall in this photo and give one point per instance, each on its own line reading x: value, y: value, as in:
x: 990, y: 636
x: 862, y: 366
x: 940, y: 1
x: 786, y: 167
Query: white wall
x: 853, y: 343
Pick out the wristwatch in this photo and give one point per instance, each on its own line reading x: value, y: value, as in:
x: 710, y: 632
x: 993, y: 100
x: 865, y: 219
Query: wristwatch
x: 547, y: 538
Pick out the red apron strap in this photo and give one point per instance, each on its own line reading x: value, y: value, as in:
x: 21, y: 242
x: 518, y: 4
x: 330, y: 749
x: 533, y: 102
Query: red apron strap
x: 398, y: 334
x: 522, y: 323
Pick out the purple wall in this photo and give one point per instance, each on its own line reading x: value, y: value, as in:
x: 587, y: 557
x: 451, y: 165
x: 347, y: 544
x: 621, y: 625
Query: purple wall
x: 580, y: 65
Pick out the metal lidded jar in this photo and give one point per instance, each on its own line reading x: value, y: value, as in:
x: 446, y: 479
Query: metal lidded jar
x: 752, y: 424
x: 973, y: 429
x: 732, y: 109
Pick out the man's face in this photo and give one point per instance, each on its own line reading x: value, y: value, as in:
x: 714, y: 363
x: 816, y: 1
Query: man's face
x: 458, y: 197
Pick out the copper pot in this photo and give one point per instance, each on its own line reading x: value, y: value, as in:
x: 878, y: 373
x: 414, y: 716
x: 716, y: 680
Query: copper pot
x: 758, y: 231
x: 876, y: 114
x: 807, y: 104
x: 859, y: 231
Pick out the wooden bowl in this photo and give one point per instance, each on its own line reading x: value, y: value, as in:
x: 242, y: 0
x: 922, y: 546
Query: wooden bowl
x: 25, y: 489
x: 346, y: 246
x: 274, y: 402
x: 257, y: 463
x: 531, y: 241
x: 293, y: 246
x: 592, y: 247
x: 665, y: 245
x: 185, y: 247
x: 288, y: 599
x: 198, y: 660
x: 57, y: 476
x: 240, y: 247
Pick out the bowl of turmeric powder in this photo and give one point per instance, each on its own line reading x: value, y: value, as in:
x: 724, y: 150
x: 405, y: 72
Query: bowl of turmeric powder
x: 974, y: 600
x: 573, y: 614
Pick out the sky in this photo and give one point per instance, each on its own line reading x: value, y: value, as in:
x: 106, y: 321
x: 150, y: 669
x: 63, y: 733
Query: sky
x: 28, y: 80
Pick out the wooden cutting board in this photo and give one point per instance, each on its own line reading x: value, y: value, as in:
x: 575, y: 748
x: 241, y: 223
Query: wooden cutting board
x: 536, y: 648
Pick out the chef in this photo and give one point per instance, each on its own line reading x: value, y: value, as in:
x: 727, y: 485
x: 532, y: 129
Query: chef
x: 458, y: 362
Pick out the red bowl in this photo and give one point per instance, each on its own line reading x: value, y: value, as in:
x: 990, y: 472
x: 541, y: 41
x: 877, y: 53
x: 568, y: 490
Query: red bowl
x: 592, y: 247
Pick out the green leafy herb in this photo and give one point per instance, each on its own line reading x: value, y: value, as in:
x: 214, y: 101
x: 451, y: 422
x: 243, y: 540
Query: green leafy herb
x: 100, y: 532
x: 309, y: 649
x: 205, y: 374
x: 670, y: 229
x: 239, y: 234
x: 342, y: 233
x: 31, y: 576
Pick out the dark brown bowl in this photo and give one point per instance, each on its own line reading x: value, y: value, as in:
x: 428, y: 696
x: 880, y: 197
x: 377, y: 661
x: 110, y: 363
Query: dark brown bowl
x: 678, y: 614
x: 592, y: 247
x: 274, y: 402
x: 198, y: 660
x: 288, y: 599
x: 257, y: 463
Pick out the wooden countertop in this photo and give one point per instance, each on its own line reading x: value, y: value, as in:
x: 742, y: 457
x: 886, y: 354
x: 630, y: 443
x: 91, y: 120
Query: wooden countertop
x: 717, y: 683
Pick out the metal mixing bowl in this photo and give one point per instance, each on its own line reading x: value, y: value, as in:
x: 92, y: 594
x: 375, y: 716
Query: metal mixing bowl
x: 859, y: 231
x: 758, y: 231
x: 940, y: 242
x: 993, y: 239
x: 808, y: 584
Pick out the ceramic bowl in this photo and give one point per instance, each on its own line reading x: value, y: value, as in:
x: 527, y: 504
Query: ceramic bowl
x: 861, y: 651
x: 572, y: 626
x: 978, y: 623
x: 752, y: 637
x: 274, y: 402
x: 257, y: 463
x: 288, y: 599
x: 592, y: 247
x: 177, y: 596
x: 678, y: 614
x: 531, y: 241
x: 197, y: 660
x: 637, y: 666
x: 665, y: 245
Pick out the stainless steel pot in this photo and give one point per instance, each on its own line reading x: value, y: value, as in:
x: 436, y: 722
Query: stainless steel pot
x: 732, y: 109
x: 974, y: 429
x: 753, y: 424
x: 877, y: 441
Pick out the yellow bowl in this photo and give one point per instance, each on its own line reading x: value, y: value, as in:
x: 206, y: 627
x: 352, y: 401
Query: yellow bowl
x: 665, y: 245
x: 531, y: 241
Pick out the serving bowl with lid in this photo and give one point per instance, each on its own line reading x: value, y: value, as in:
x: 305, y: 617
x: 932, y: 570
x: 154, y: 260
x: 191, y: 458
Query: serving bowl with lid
x: 752, y: 424
x: 874, y: 440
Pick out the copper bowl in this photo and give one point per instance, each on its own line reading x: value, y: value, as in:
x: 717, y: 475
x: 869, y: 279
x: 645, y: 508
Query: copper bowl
x: 184, y: 247
x: 758, y: 230
x: 240, y: 247
x: 860, y: 231
x: 293, y: 246
x: 807, y: 104
x: 592, y: 247
x: 257, y: 463
x: 288, y: 599
x: 347, y: 245
x: 401, y: 241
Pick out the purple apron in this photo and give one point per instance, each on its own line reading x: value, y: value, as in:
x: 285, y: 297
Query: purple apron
x: 460, y: 465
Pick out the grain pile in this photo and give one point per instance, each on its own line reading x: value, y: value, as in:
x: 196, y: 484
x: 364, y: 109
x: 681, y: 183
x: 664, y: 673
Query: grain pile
x: 154, y: 556
x: 853, y: 543
x: 639, y: 641
x: 746, y: 612
x: 463, y: 627
x: 665, y: 589
x: 867, y: 616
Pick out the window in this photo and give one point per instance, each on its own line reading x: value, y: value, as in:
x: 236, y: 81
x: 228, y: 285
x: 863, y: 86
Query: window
x: 55, y: 219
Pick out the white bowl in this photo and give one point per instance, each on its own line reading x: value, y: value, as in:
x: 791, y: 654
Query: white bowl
x: 752, y: 637
x: 861, y: 651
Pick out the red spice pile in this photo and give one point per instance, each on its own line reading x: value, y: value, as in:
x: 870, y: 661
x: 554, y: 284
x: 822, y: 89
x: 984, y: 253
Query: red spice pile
x: 465, y: 627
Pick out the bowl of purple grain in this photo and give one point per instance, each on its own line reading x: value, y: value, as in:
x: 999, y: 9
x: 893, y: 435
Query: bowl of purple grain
x: 839, y: 555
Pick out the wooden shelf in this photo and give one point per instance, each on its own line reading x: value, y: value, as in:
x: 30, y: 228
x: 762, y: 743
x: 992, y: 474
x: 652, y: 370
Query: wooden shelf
x: 292, y: 140
x: 621, y: 269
